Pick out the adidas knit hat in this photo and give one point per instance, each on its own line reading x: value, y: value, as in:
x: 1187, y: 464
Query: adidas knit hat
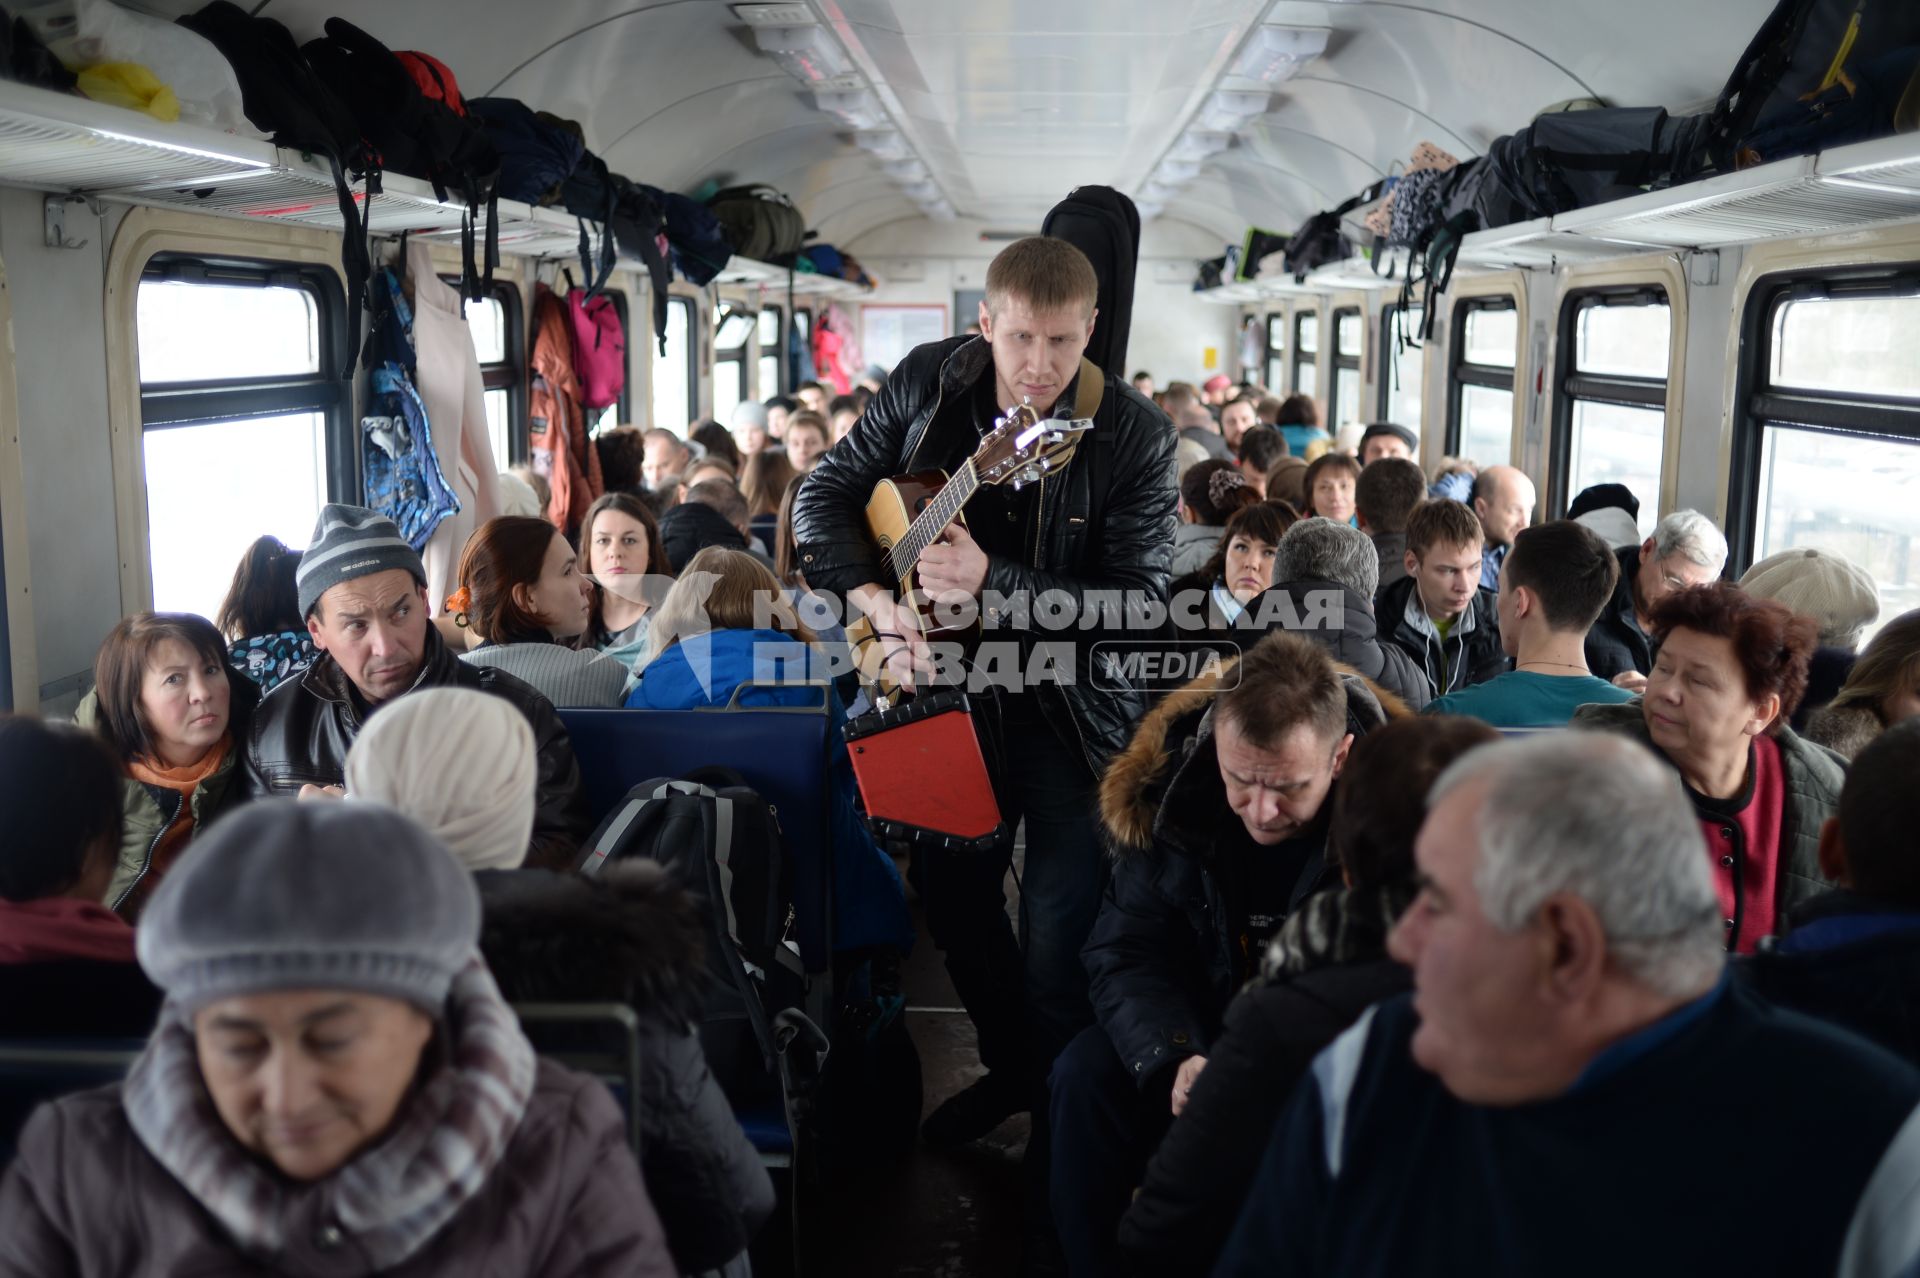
x: 350, y: 542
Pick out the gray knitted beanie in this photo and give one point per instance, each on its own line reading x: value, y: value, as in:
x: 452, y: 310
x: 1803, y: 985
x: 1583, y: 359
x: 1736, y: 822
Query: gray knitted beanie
x: 350, y: 542
x: 284, y: 895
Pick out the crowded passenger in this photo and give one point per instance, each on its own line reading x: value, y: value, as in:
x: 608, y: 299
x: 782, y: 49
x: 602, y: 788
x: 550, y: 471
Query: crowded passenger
x: 707, y: 468
x: 623, y: 458
x: 813, y: 399
x: 750, y: 429
x: 1383, y: 500
x: 1238, y: 571
x: 1325, y: 966
x: 1554, y: 583
x: 1881, y: 690
x: 1260, y: 448
x: 807, y: 441
x: 714, y: 514
x: 1143, y: 382
x: 1198, y: 427
x: 260, y: 617
x: 1210, y: 492
x: 1502, y: 498
x: 715, y: 443
x: 1236, y: 419
x: 1610, y: 510
x: 1329, y: 484
x: 1287, y: 482
x: 175, y: 714
x: 1438, y: 613
x: 461, y: 764
x: 523, y: 595
x: 1727, y: 672
x: 666, y: 455
x: 1325, y: 578
x: 1572, y: 1016
x: 1686, y: 549
x: 363, y: 592
x: 1216, y: 391
x: 779, y: 409
x: 1218, y: 810
x: 1299, y: 421
x: 335, y: 1085
x: 66, y: 961
x: 1852, y: 955
x: 842, y: 412
x: 1385, y: 439
x: 627, y: 563
x: 1837, y: 594
x: 766, y: 480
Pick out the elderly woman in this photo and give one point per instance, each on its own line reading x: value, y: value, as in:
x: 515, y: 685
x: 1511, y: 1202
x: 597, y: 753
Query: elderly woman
x: 461, y: 763
x: 173, y: 709
x: 1836, y: 593
x: 1882, y: 689
x: 1728, y: 672
x: 335, y: 1086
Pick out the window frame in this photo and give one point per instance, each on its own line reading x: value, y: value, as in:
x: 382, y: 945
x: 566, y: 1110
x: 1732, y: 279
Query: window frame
x: 1383, y: 400
x: 1298, y: 315
x: 1572, y: 387
x: 1757, y: 402
x: 778, y: 355
x: 1342, y: 363
x: 737, y: 356
x: 694, y: 336
x: 1273, y: 353
x: 1461, y: 373
x: 179, y: 404
x: 510, y: 374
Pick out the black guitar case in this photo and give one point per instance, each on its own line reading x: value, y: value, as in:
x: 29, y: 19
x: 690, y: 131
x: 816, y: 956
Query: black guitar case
x: 1103, y: 224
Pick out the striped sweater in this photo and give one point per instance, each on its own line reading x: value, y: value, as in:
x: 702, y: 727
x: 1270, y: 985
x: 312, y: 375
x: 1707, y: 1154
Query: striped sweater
x: 564, y: 676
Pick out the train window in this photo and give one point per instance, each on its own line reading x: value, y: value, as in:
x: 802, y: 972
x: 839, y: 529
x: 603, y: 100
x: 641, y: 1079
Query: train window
x: 1610, y: 409
x: 771, y: 331
x: 1306, y: 352
x: 732, y: 325
x: 1402, y: 369
x: 673, y: 376
x: 237, y: 363
x: 1349, y: 337
x: 494, y: 321
x: 1485, y: 349
x: 1828, y: 449
x: 1275, y: 373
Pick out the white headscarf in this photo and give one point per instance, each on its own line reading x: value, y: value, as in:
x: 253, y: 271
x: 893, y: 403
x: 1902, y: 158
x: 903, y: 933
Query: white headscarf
x: 459, y: 762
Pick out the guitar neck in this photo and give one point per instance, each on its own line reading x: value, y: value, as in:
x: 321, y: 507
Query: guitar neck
x: 932, y: 521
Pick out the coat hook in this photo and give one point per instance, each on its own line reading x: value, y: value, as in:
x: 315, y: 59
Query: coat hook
x: 55, y: 213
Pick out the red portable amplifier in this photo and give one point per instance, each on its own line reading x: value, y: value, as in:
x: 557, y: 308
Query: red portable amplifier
x: 922, y: 774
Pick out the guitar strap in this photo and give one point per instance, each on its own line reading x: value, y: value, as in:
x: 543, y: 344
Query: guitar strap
x: 1093, y: 383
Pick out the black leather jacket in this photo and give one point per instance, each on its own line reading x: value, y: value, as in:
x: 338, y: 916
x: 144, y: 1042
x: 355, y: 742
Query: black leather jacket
x: 1119, y: 538
x: 301, y: 732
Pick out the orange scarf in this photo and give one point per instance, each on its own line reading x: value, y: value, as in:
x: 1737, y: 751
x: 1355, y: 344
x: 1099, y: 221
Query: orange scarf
x: 183, y: 781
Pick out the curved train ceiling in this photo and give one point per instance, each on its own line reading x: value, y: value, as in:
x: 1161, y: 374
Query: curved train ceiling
x: 1012, y: 102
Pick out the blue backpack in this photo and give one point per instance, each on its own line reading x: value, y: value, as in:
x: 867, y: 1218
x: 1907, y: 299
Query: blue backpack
x: 699, y: 243
x: 402, y: 473
x: 536, y: 155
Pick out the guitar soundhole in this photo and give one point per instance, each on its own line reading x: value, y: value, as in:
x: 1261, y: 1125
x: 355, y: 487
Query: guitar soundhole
x: 921, y: 505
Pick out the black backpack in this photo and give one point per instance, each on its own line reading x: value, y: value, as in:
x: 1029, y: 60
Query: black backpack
x: 283, y: 97
x: 695, y: 235
x: 415, y: 136
x: 722, y: 840
x: 760, y: 222
x: 638, y: 224
x: 590, y: 195
x: 1103, y: 224
x: 536, y: 154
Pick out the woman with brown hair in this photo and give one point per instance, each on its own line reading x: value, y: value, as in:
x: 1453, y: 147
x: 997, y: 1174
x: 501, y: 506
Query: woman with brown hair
x: 175, y: 713
x: 1882, y: 689
x: 522, y: 593
x: 267, y: 636
x: 763, y: 483
x: 627, y: 564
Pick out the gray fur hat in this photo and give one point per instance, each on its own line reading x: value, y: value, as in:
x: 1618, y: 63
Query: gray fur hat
x: 284, y: 895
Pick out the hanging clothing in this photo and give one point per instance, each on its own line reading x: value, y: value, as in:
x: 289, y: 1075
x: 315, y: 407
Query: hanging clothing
x: 447, y: 376
x: 557, y: 429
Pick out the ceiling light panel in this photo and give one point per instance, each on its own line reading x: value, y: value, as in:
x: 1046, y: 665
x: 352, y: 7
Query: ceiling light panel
x: 856, y: 108
x: 773, y: 15
x: 1273, y: 54
x: 808, y: 54
x: 1229, y: 110
x: 1198, y: 144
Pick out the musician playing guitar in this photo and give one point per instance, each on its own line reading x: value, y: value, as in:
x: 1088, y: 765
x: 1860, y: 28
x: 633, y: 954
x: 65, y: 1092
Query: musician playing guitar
x: 1102, y: 524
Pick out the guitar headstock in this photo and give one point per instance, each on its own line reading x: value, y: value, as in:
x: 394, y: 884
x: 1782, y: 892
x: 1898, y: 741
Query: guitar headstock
x: 1025, y: 446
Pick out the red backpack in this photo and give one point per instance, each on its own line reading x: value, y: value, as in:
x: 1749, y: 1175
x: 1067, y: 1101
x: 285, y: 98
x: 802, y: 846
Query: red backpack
x: 434, y: 78
x: 599, y: 348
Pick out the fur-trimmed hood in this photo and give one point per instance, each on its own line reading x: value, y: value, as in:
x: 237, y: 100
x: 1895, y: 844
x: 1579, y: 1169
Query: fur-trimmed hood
x: 1845, y: 730
x: 632, y: 935
x: 1169, y: 766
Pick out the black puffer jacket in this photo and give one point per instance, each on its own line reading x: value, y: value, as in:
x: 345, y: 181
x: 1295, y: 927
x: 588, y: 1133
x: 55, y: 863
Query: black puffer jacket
x: 1616, y: 643
x: 1162, y: 955
x: 633, y: 936
x: 1348, y: 631
x: 1476, y: 634
x: 1111, y: 536
x: 302, y: 731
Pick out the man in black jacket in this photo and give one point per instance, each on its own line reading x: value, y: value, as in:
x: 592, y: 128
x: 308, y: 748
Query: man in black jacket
x: 1686, y: 549
x: 363, y: 592
x: 1438, y: 613
x: 1853, y: 954
x: 1209, y: 863
x: 1104, y: 524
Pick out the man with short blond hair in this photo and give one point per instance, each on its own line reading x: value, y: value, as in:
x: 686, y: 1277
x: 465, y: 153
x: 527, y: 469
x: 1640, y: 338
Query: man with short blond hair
x: 1102, y: 523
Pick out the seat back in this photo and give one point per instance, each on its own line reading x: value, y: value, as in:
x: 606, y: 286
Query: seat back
x: 781, y: 751
x: 33, y: 1071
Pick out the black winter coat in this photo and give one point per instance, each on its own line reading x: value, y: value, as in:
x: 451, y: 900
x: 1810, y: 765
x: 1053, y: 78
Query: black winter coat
x: 1870, y: 985
x: 1352, y: 634
x: 1118, y: 539
x: 1163, y: 955
x: 302, y: 731
x: 632, y: 936
x: 1477, y: 634
x: 1199, y: 1176
x: 1616, y: 643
